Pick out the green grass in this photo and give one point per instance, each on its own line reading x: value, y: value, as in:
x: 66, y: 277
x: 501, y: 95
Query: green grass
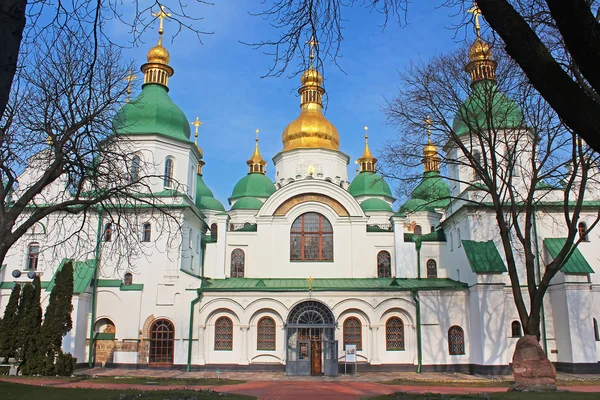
x: 15, y: 391
x: 145, y: 380
x: 493, y: 396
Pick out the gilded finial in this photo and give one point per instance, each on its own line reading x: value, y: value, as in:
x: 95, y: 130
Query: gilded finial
x: 161, y: 15
x: 431, y: 160
x: 313, y: 44
x: 310, y: 280
x: 157, y: 69
x: 257, y: 132
x: 428, y: 122
x: 256, y: 162
x: 197, y: 124
x: 367, y: 161
x: 129, y: 78
x: 476, y: 13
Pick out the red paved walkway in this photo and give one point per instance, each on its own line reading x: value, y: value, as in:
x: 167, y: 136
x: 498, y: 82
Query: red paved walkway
x: 292, y: 390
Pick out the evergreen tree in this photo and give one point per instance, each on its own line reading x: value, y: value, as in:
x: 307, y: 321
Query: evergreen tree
x: 57, y: 319
x: 29, y: 328
x: 8, y: 337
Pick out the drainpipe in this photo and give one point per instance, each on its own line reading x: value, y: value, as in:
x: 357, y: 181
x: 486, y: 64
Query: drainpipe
x: 418, y: 248
x: 191, y: 331
x: 539, y: 274
x: 418, y: 317
x: 95, y: 291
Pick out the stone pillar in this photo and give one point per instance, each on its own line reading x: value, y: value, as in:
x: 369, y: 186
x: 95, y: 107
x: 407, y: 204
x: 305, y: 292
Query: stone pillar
x: 244, y: 329
x: 201, y: 346
x: 374, y: 347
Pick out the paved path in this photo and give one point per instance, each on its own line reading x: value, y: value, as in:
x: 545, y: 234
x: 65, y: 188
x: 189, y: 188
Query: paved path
x: 291, y: 390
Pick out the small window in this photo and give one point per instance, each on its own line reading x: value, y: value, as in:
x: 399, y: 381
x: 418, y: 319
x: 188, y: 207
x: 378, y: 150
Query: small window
x: 596, y: 330
x: 456, y: 340
x: 394, y: 334
x: 168, y: 177
x: 418, y: 231
x: 515, y: 328
x: 134, y: 171
x: 582, y: 228
x: 146, y: 232
x: 265, y: 339
x: 432, y: 228
x: 108, y: 232
x: 431, y: 269
x: 214, y: 232
x: 128, y: 279
x: 33, y: 256
x: 353, y: 332
x: 384, y: 264
x: 238, y: 261
x: 223, y: 334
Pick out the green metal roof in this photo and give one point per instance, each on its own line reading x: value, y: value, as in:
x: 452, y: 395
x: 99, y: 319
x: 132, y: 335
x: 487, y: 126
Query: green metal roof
x: 328, y: 284
x: 83, y: 272
x: 119, y: 283
x: 575, y: 264
x: 431, y: 193
x: 484, y: 257
x: 254, y: 184
x: 369, y: 184
x: 437, y: 236
x: 247, y: 203
x: 205, y: 199
x: 375, y: 204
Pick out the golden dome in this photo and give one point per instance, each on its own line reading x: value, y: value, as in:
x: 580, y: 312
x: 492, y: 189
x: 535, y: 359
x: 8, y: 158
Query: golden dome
x: 311, y: 77
x: 158, y: 54
x: 256, y: 162
x: 429, y: 149
x: 480, y: 50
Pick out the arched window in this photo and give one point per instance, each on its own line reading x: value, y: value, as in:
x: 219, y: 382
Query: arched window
x: 168, y: 178
x: 432, y: 228
x: 596, y: 330
x: 265, y: 339
x: 162, y: 338
x: 223, y: 334
x: 431, y: 268
x: 456, y: 340
x: 134, y: 171
x: 353, y: 332
x: 394, y: 334
x: 246, y: 224
x: 238, y: 261
x: 108, y: 232
x: 311, y: 238
x: 418, y: 231
x: 582, y: 228
x: 214, y: 232
x: 146, y: 232
x: 128, y: 279
x: 33, y: 256
x: 384, y: 264
x: 515, y: 328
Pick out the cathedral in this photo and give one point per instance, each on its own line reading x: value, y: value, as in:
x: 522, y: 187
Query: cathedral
x: 314, y: 269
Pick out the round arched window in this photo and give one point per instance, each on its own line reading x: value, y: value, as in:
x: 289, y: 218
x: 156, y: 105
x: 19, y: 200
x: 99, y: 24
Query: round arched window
x: 311, y: 238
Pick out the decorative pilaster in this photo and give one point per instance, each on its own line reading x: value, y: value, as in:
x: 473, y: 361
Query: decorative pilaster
x: 374, y: 347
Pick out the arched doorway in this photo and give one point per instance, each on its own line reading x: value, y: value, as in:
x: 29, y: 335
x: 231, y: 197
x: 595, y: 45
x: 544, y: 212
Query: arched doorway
x: 311, y: 344
x: 104, y: 341
x: 162, y: 338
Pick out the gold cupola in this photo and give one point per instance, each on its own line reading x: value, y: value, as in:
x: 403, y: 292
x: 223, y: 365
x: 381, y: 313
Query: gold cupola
x: 481, y: 65
x: 431, y: 160
x: 311, y: 129
x: 367, y: 162
x: 256, y: 163
x: 157, y: 69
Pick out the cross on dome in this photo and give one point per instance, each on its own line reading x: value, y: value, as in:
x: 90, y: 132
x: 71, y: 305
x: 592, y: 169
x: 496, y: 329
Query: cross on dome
x: 129, y: 78
x: 476, y: 13
x: 161, y: 15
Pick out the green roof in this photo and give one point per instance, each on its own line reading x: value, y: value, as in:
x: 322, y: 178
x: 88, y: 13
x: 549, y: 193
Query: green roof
x: 575, y: 264
x: 476, y: 112
x: 329, y: 284
x: 152, y: 112
x: 431, y: 193
x: 83, y: 272
x: 119, y: 283
x: 436, y: 236
x: 369, y: 184
x: 375, y: 204
x: 204, y: 197
x: 484, y: 257
x: 247, y: 203
x: 254, y: 184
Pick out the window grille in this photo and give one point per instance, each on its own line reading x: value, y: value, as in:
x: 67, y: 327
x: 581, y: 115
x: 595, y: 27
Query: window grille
x: 353, y: 332
x: 394, y: 334
x: 223, y: 334
x: 265, y: 339
x: 311, y: 238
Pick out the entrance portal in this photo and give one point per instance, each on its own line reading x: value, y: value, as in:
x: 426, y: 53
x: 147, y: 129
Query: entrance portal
x: 311, y: 344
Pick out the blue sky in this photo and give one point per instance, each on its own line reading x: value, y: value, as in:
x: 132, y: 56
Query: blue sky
x: 219, y: 80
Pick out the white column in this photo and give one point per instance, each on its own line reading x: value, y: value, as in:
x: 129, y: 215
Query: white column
x: 374, y: 347
x: 244, y: 344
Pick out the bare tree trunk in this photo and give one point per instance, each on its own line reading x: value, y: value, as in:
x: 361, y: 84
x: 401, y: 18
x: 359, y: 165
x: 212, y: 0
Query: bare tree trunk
x: 12, y: 24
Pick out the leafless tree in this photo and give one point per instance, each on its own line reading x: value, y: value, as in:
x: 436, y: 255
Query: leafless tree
x: 556, y: 43
x: 510, y: 170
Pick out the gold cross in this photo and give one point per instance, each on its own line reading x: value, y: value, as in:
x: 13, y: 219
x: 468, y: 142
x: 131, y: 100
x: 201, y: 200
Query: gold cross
x: 429, y: 122
x: 257, y: 132
x: 366, y: 132
x: 312, y: 43
x: 129, y: 78
x: 476, y: 13
x: 197, y: 124
x: 161, y: 15
x: 310, y: 280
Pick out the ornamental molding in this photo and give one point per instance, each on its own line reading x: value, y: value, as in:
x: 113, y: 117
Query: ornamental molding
x: 290, y: 203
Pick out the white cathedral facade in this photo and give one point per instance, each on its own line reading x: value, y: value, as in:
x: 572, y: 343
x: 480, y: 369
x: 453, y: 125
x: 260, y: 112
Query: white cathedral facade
x: 294, y: 270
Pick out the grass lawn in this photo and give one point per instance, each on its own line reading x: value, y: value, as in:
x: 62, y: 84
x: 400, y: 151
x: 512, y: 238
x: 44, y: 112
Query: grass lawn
x: 144, y: 380
x: 493, y: 396
x: 15, y: 391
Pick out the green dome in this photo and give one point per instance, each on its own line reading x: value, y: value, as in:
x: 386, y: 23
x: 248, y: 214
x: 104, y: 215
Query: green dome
x: 431, y: 193
x: 375, y: 205
x: 152, y: 111
x: 247, y: 203
x: 506, y: 114
x: 369, y: 184
x: 253, y: 185
x: 204, y: 197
